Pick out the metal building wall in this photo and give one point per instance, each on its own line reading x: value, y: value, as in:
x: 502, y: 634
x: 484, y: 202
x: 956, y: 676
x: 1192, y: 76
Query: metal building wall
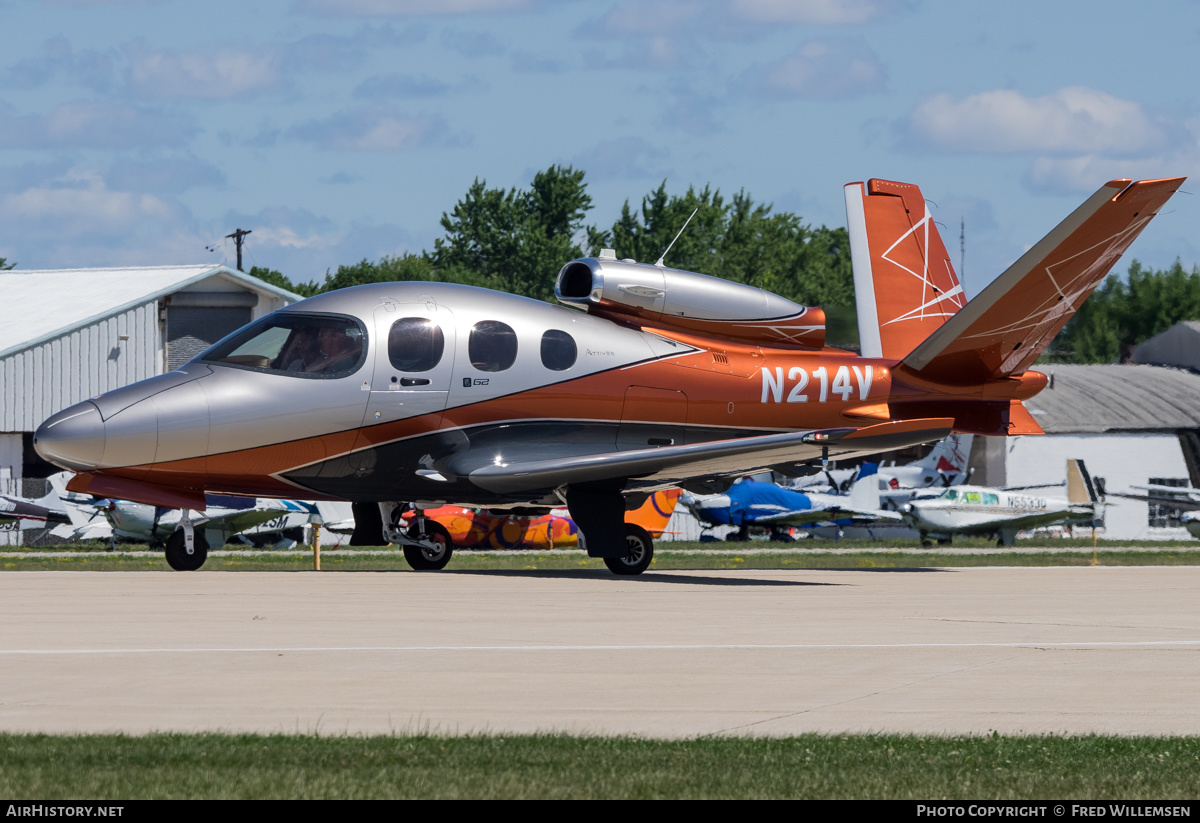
x: 43, y: 379
x: 1121, y: 458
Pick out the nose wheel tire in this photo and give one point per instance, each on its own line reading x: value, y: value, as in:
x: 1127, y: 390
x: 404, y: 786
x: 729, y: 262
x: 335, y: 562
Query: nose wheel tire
x: 176, y: 552
x: 424, y: 558
x: 639, y: 551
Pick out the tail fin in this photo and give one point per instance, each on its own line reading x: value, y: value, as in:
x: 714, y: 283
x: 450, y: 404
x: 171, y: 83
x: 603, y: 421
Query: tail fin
x: 1009, y: 324
x: 864, y: 494
x: 904, y: 284
x: 949, y: 458
x: 1080, y: 488
x: 655, y: 512
x: 80, y: 508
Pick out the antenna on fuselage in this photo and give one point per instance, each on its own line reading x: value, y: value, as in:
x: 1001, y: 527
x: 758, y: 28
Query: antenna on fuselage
x: 663, y: 256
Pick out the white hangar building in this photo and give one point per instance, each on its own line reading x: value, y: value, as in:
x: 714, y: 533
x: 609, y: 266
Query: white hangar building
x: 71, y: 334
x: 1130, y: 424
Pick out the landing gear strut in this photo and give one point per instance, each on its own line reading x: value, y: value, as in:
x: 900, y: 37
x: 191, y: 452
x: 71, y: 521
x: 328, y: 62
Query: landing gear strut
x: 178, y: 556
x: 426, y: 543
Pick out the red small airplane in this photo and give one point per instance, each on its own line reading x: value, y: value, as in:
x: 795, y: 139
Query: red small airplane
x: 422, y: 394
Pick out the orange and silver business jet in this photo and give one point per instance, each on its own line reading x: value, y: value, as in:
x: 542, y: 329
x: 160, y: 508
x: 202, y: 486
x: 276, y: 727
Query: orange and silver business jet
x: 422, y: 394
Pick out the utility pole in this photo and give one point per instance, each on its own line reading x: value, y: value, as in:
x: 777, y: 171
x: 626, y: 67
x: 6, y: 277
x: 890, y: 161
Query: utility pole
x: 238, y: 236
x: 962, y: 255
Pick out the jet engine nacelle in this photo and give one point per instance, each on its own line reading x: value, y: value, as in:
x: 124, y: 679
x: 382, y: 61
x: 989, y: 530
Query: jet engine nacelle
x: 656, y: 296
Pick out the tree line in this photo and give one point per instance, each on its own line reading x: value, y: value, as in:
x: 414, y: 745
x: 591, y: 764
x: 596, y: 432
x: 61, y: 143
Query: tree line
x: 516, y: 240
x: 1125, y: 311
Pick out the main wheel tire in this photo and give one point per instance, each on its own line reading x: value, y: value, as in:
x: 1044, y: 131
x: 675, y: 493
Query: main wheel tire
x: 424, y: 559
x: 639, y: 551
x: 176, y: 551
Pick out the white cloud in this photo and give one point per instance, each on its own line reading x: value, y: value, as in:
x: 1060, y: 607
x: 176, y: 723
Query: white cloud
x: 1073, y: 120
x: 91, y: 124
x: 403, y: 8
x: 81, y: 204
x: 813, y: 12
x: 381, y: 129
x: 736, y: 18
x: 820, y: 70
x: 203, y: 74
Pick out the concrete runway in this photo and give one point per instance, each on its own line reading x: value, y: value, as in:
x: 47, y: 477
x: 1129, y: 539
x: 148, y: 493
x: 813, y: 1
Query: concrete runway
x: 670, y: 654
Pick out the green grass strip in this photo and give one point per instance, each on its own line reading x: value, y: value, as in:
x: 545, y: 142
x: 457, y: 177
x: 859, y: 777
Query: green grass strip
x: 176, y: 766
x: 665, y: 560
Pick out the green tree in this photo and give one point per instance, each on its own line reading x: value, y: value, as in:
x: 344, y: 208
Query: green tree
x: 1124, y: 311
x: 515, y: 240
x: 744, y: 241
x: 5, y: 265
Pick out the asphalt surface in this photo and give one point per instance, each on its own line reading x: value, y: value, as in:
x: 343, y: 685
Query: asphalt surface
x: 669, y: 654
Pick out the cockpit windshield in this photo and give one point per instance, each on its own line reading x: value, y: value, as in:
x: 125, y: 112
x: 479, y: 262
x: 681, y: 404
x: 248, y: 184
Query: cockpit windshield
x: 304, y: 345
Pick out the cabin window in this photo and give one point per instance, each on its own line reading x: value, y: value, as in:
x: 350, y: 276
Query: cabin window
x: 492, y: 346
x: 303, y: 345
x: 415, y: 344
x: 558, y: 350
x: 950, y: 494
x: 990, y: 499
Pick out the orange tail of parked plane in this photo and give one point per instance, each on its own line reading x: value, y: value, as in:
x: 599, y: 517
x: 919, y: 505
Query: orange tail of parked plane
x: 654, y: 514
x: 976, y: 355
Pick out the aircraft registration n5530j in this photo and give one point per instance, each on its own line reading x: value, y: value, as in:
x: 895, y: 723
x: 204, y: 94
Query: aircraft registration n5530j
x: 419, y: 394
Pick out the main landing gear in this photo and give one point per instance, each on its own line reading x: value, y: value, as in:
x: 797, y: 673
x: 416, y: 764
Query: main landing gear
x: 639, y: 551
x: 426, y: 543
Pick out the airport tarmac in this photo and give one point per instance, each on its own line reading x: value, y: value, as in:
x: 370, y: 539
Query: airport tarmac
x: 670, y: 654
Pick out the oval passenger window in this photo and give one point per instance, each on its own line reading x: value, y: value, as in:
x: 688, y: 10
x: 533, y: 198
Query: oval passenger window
x: 415, y: 344
x: 558, y: 350
x: 492, y: 346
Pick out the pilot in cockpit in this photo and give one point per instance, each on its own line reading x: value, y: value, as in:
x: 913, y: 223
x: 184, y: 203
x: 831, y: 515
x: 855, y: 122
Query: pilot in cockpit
x: 338, y: 349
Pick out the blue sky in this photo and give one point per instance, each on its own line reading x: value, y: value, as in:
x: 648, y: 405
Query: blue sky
x: 142, y: 132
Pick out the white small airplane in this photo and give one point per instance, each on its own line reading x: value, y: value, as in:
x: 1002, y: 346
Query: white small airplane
x: 20, y: 513
x: 988, y: 511
x: 944, y: 466
x: 225, y: 518
x: 1182, y: 498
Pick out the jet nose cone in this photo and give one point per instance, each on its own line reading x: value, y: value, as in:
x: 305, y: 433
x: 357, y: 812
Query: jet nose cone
x: 73, y: 438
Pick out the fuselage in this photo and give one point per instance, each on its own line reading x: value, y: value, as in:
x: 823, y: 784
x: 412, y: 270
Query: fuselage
x: 431, y: 375
x: 982, y: 510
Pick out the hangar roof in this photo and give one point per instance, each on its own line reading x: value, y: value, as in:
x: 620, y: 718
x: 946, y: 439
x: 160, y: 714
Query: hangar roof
x: 45, y: 303
x: 1090, y: 399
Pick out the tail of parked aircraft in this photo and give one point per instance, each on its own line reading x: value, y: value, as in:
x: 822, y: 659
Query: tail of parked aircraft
x: 654, y: 514
x: 1080, y: 487
x: 949, y: 459
x: 864, y: 494
x: 904, y: 284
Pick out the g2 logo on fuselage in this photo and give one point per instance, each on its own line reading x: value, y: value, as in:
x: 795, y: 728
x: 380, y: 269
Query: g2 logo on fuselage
x: 803, y: 383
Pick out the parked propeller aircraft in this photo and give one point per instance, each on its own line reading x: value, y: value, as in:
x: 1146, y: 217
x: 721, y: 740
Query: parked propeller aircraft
x: 981, y: 510
x: 431, y: 393
x: 471, y: 528
x: 225, y: 517
x: 1181, y: 498
x: 945, y: 465
x: 750, y: 503
x: 20, y: 513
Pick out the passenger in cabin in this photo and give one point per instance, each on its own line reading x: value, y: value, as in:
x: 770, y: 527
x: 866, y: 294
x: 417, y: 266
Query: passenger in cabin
x: 301, y: 350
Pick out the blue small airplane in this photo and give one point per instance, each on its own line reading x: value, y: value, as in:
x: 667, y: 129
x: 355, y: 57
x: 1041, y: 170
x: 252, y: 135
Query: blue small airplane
x: 750, y: 503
